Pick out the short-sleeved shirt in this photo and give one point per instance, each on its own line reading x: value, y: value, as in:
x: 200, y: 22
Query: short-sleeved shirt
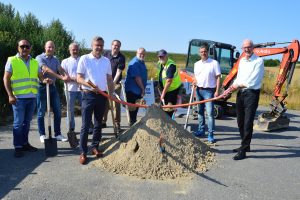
x: 95, y: 70
x: 170, y: 73
x: 135, y: 68
x: 51, y: 62
x: 206, y: 73
x: 70, y: 66
x: 117, y: 62
x: 8, y: 68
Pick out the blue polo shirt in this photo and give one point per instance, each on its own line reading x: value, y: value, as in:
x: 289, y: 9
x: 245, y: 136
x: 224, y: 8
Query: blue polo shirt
x: 135, y: 68
x: 50, y: 61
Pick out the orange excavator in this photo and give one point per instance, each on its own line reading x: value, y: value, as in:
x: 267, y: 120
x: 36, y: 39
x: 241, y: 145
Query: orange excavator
x: 229, y: 59
x: 275, y: 118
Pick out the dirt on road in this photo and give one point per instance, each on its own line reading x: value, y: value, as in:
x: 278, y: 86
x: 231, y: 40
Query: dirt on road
x: 138, y: 151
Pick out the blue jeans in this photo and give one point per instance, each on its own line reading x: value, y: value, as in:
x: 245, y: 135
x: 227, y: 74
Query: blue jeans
x: 73, y: 96
x: 42, y: 107
x: 91, y: 103
x: 202, y: 94
x: 23, y: 111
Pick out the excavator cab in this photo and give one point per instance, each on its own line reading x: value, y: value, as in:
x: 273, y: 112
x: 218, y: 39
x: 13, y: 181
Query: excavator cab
x: 225, y: 54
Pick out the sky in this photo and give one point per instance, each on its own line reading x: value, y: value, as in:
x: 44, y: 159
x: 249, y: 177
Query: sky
x: 169, y: 25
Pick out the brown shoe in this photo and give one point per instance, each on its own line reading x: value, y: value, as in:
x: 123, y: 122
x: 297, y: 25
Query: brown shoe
x: 97, y: 153
x: 82, y: 159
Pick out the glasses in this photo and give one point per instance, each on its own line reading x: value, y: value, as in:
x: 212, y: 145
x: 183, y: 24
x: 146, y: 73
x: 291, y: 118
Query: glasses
x: 24, y: 46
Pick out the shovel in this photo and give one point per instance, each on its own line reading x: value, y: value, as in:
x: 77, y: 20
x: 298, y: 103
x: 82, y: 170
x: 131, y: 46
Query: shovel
x: 125, y: 98
x: 73, y: 141
x: 188, y: 111
x: 50, y: 143
x: 112, y: 115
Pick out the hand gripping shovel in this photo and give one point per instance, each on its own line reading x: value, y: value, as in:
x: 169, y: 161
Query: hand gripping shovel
x: 73, y: 141
x: 50, y: 143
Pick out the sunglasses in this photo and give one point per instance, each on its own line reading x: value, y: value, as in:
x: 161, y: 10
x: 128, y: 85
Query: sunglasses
x: 24, y: 46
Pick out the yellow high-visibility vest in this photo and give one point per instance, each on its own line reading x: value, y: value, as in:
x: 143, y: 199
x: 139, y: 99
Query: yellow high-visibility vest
x: 176, y: 82
x: 24, y: 81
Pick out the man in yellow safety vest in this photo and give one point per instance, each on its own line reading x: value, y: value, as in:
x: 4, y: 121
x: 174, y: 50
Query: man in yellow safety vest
x: 21, y: 84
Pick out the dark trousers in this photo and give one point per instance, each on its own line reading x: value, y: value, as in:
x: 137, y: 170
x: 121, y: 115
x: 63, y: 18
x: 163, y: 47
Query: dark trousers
x: 131, y: 98
x: 246, y: 105
x: 171, y: 97
x: 91, y: 103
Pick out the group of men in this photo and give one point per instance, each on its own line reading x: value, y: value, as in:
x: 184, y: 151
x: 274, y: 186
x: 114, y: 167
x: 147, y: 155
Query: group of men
x: 25, y: 80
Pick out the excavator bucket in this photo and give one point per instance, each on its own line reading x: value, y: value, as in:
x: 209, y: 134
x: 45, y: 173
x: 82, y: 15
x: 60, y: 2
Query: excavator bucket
x: 269, y: 122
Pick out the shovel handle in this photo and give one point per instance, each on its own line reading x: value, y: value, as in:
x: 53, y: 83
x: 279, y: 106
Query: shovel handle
x: 48, y: 109
x: 188, y: 111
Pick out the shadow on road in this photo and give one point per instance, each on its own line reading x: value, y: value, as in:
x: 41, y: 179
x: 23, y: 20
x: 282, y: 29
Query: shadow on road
x: 14, y: 170
x: 283, y: 151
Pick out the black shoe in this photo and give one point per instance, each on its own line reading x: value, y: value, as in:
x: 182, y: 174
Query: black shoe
x: 104, y: 125
x: 28, y: 147
x: 119, y: 130
x: 18, y: 153
x: 240, y: 155
x: 247, y: 149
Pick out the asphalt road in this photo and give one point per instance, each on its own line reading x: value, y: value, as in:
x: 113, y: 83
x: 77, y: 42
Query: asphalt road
x: 271, y: 170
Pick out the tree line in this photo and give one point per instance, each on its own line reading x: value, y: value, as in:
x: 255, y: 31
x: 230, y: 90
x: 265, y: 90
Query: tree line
x: 14, y: 27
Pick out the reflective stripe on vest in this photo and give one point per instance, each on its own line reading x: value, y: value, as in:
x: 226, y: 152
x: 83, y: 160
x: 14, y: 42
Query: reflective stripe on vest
x: 176, y: 82
x: 24, y: 81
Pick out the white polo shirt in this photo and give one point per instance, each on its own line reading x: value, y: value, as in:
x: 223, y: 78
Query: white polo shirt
x: 70, y: 66
x: 95, y: 70
x: 206, y: 73
x: 250, y: 72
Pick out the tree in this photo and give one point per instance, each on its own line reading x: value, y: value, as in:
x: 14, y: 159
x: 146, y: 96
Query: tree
x: 14, y: 27
x: 56, y: 32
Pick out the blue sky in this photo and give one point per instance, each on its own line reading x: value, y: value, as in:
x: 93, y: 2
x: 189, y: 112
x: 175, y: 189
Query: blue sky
x: 157, y: 24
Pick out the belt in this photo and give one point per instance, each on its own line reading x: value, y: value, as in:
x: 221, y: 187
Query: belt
x: 90, y: 91
x: 249, y: 90
x: 87, y: 91
x: 202, y: 88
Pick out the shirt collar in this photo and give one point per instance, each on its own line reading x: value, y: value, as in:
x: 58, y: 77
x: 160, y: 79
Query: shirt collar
x: 207, y: 60
x: 252, y: 57
x: 46, y: 56
x: 18, y: 55
x: 90, y: 55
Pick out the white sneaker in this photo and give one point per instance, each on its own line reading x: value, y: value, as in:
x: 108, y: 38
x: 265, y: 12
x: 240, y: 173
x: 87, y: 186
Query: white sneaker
x: 61, y: 138
x: 42, y: 138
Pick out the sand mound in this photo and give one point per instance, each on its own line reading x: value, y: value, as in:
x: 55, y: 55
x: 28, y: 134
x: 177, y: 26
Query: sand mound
x: 137, y: 153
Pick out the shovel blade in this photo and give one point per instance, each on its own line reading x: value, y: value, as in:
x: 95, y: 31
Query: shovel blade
x: 73, y: 141
x: 50, y: 147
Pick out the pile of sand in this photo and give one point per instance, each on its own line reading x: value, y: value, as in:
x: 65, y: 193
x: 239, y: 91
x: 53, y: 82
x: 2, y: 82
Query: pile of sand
x: 137, y: 152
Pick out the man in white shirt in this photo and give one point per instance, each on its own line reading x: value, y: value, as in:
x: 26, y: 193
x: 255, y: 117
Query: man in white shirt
x: 248, y: 81
x: 95, y: 68
x: 207, y: 79
x: 70, y: 66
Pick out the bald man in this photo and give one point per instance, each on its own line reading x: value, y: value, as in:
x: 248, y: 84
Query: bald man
x: 51, y: 68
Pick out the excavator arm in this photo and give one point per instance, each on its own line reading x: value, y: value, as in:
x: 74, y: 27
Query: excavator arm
x: 286, y: 70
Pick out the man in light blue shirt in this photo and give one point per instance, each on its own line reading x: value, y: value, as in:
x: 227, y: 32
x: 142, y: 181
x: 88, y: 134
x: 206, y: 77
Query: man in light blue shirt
x: 248, y: 81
